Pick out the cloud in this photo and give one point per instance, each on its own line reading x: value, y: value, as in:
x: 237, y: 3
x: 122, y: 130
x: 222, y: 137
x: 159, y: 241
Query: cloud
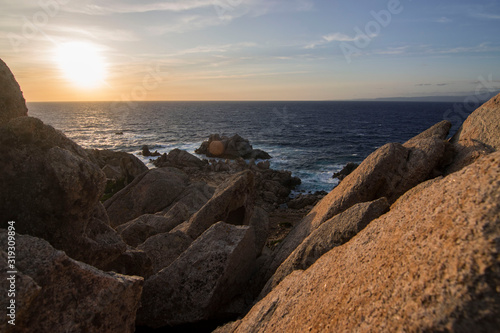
x: 487, y: 16
x: 335, y: 37
x: 443, y: 20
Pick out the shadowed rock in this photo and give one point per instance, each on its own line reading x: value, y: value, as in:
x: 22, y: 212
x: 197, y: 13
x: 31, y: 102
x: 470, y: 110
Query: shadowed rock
x: 430, y: 264
x: 59, y: 294
x: 388, y: 172
x: 51, y: 189
x: 12, y: 103
x: 230, y: 147
x: 181, y: 159
x: 149, y: 193
x: 336, y: 231
x: 202, y: 280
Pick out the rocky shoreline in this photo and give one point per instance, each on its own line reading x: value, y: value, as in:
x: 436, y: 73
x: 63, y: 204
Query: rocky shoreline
x: 408, y: 241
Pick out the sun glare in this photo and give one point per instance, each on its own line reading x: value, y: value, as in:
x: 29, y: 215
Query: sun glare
x: 82, y: 64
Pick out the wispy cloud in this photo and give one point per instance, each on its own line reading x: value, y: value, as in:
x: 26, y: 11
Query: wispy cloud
x: 443, y: 19
x: 487, y: 16
x: 335, y: 37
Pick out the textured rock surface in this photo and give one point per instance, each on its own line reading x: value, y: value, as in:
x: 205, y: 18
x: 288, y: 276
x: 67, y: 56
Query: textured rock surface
x: 149, y: 193
x: 177, y: 158
x: 388, y: 172
x: 430, y: 264
x: 232, y: 203
x: 12, y: 103
x: 205, y: 277
x: 482, y: 125
x: 163, y: 249
x: 260, y: 223
x: 336, y: 231
x: 230, y: 147
x: 138, y: 230
x: 131, y: 262
x: 64, y: 295
x: 120, y: 165
x: 52, y: 190
x: 478, y: 136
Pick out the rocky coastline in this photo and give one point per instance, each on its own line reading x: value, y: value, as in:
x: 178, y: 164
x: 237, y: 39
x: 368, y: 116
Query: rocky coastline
x: 408, y: 240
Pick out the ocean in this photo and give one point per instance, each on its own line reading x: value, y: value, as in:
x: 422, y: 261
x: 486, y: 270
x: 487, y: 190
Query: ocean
x: 311, y: 139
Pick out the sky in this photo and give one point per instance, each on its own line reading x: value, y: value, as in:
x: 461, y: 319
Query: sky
x: 90, y: 50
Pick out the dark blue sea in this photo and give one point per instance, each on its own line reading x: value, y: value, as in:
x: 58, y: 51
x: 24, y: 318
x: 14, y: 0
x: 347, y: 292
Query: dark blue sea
x: 311, y: 139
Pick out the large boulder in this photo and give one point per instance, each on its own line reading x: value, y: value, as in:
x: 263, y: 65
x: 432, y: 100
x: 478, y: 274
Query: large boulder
x: 478, y: 136
x: 181, y: 159
x: 55, y: 293
x: 118, y: 165
x: 12, y: 103
x: 149, y: 193
x: 230, y: 147
x: 388, y: 172
x: 201, y: 280
x: 163, y: 249
x: 430, y: 264
x: 336, y: 231
x: 232, y: 202
x: 51, y: 189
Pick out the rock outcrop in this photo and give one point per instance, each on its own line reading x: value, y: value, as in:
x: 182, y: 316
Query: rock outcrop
x: 336, y: 231
x: 118, y: 165
x: 51, y: 188
x: 230, y: 147
x: 180, y: 159
x: 12, y: 103
x: 55, y: 293
x: 232, y: 202
x: 478, y: 136
x: 149, y: 193
x: 429, y: 264
x: 346, y: 171
x: 202, y: 280
x: 388, y: 172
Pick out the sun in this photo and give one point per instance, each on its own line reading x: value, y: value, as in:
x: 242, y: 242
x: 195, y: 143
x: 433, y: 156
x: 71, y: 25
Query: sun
x: 82, y: 64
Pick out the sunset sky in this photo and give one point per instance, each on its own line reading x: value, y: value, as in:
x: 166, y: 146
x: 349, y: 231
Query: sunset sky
x: 73, y: 50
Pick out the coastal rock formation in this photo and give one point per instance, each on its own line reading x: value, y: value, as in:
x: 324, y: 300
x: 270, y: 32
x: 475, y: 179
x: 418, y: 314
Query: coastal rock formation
x: 336, y: 231
x: 55, y: 293
x: 180, y: 159
x: 346, y: 170
x: 117, y: 165
x: 149, y: 193
x: 163, y: 249
x: 146, y: 152
x: 478, y: 136
x: 131, y: 262
x: 51, y: 189
x: 429, y: 264
x: 230, y: 147
x: 12, y: 103
x: 388, y: 172
x: 202, y: 280
x: 232, y: 202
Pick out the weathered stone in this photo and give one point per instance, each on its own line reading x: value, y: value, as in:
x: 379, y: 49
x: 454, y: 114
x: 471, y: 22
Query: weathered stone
x: 132, y: 262
x: 138, y: 230
x: 117, y: 164
x: 346, y: 170
x: 177, y: 158
x: 482, y: 125
x: 478, y: 136
x: 52, y: 189
x: 430, y: 264
x: 149, y: 193
x: 65, y: 295
x: 388, y: 172
x: 202, y: 280
x: 232, y: 203
x: 12, y: 103
x: 260, y: 223
x: 163, y: 249
x: 336, y: 231
x: 230, y: 147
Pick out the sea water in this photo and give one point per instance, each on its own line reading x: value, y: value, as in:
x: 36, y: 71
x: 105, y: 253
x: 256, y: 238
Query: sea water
x: 311, y: 139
